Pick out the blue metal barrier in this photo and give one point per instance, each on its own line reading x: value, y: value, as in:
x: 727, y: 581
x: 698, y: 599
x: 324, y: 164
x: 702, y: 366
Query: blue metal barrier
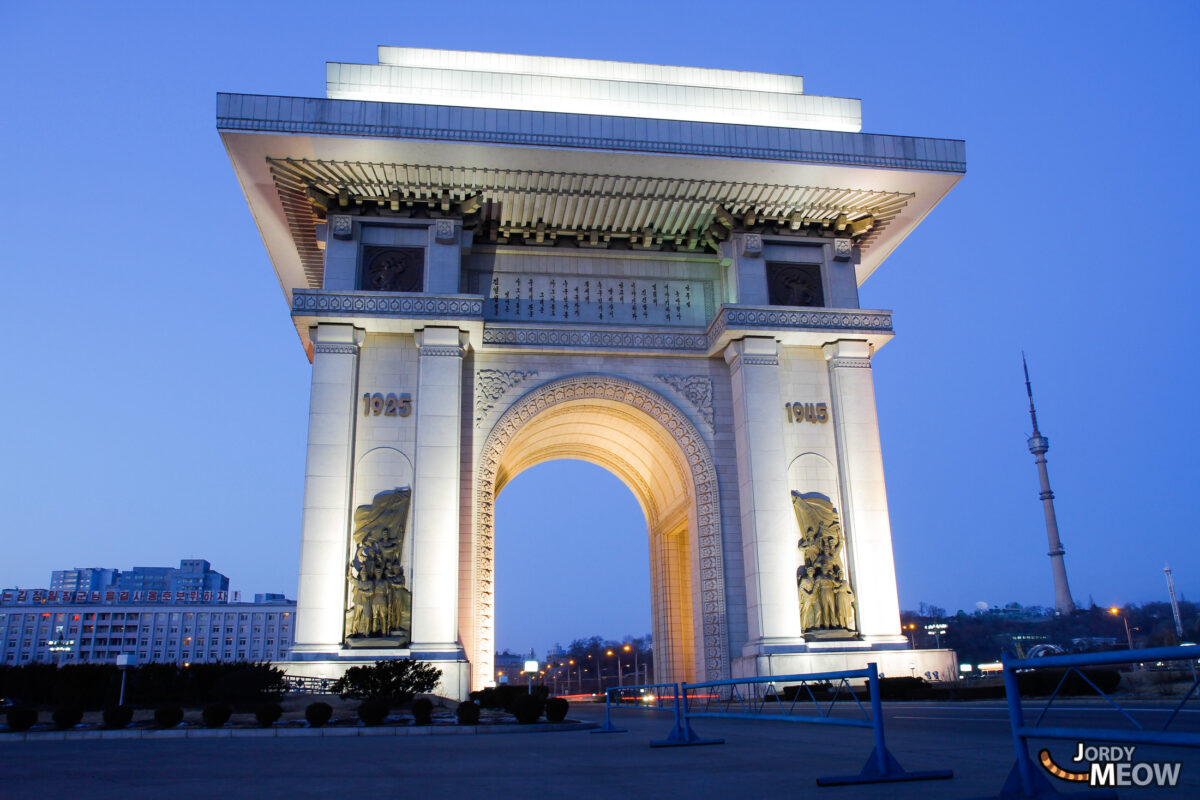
x: 1024, y: 781
x: 731, y: 703
x: 622, y: 693
x: 666, y: 698
x: 681, y: 734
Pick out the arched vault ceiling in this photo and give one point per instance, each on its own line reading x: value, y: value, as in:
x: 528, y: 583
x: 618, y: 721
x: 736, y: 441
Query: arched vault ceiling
x: 629, y: 444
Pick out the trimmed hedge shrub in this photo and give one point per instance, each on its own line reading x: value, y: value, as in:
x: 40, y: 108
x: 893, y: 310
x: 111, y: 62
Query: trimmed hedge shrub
x: 901, y: 688
x: 822, y: 691
x: 556, y: 709
x: 1041, y: 682
x: 66, y: 717
x: 422, y: 711
x: 117, y: 717
x: 247, y: 686
x: 373, y: 712
x: 467, y: 713
x: 501, y: 697
x: 267, y: 714
x: 88, y: 686
x: 395, y: 681
x: 91, y: 686
x: 216, y: 714
x: 168, y: 715
x: 527, y: 708
x: 21, y: 718
x: 318, y: 713
x: 28, y: 684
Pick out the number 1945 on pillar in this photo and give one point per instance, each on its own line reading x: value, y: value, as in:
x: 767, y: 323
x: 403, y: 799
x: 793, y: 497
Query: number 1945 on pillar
x: 807, y: 412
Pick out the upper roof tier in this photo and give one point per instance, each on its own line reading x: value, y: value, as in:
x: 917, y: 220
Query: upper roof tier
x: 576, y: 151
x: 585, y: 86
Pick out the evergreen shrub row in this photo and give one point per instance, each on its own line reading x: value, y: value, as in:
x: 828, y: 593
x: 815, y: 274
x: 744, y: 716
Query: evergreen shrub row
x: 526, y: 708
x: 91, y: 687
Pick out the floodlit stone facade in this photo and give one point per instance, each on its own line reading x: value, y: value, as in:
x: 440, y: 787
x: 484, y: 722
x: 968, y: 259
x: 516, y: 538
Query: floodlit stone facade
x: 665, y: 285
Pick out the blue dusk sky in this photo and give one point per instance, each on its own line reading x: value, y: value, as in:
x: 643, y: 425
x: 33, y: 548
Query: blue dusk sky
x: 155, y: 397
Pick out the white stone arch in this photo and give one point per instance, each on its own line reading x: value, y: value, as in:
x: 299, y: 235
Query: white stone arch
x: 707, y: 561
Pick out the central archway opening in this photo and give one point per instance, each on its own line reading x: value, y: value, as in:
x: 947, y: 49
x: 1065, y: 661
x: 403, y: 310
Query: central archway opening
x: 572, y: 559
x: 647, y: 444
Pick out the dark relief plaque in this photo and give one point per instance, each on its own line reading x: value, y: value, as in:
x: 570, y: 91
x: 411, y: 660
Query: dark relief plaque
x: 795, y: 285
x: 393, y: 269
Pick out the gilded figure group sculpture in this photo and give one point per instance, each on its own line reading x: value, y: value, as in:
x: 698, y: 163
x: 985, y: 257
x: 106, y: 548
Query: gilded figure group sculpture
x: 380, y: 601
x: 826, y: 599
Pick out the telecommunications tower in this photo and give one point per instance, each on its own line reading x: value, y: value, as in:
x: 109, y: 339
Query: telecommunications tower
x: 1038, y: 445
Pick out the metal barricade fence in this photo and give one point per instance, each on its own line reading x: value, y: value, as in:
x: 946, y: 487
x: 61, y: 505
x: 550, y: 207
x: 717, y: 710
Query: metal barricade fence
x: 762, y: 699
x: 1026, y: 781
x: 661, y: 697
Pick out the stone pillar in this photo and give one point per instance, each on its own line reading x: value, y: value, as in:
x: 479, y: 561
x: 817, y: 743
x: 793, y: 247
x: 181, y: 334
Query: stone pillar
x: 442, y: 257
x: 864, y: 511
x: 768, y: 523
x: 321, y: 596
x: 436, y: 485
x: 749, y: 268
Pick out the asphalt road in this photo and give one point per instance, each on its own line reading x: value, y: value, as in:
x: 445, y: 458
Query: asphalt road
x: 760, y: 759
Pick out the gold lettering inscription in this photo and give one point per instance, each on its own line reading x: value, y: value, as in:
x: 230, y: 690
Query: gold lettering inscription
x: 389, y: 405
x: 807, y: 412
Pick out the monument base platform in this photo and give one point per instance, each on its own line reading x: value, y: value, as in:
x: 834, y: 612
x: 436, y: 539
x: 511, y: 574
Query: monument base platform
x: 456, y: 674
x: 829, y: 657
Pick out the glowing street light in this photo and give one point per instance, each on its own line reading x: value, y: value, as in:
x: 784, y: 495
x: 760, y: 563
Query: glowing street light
x: 636, y: 669
x: 936, y: 629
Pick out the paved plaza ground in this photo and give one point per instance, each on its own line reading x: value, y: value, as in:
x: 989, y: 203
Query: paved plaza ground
x: 760, y: 759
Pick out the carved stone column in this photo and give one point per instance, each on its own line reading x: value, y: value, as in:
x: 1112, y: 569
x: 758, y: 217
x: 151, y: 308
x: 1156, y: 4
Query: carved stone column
x: 321, y: 595
x: 436, y: 493
x: 767, y: 520
x: 864, y: 496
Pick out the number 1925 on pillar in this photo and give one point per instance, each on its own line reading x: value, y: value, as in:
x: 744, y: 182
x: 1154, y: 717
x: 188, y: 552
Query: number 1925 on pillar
x: 387, y: 405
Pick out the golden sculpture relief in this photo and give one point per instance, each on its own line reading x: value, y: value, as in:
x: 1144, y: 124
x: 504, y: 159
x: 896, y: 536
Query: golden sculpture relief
x: 380, y: 612
x: 826, y: 599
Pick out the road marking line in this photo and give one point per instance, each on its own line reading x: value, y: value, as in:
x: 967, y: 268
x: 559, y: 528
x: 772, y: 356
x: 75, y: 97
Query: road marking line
x: 958, y: 719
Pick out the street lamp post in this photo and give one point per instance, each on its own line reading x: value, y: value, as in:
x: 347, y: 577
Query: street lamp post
x: 627, y: 648
x: 617, y: 653
x: 910, y: 627
x: 531, y: 666
x: 1128, y: 635
x: 124, y: 662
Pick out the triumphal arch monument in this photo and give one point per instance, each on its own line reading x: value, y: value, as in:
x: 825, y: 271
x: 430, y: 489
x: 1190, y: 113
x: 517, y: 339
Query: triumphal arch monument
x: 493, y: 261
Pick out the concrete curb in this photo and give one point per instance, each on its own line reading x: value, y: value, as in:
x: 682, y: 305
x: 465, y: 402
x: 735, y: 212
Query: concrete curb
x: 268, y: 733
